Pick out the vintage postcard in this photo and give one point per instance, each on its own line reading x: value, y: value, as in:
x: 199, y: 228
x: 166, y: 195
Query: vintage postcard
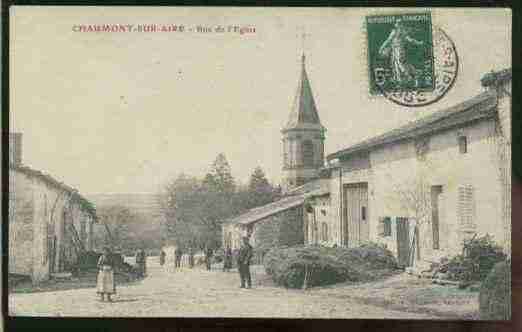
x: 260, y: 162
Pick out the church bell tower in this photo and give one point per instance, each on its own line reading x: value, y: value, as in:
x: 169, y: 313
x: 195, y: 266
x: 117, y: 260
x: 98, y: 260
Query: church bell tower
x: 303, y: 137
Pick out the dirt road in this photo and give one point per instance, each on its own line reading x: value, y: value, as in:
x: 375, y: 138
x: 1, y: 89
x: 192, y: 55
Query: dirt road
x: 200, y: 293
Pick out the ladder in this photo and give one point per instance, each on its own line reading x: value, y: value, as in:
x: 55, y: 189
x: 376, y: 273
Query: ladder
x: 78, y: 245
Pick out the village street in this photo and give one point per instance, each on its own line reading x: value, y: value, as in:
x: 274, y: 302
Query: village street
x: 200, y: 293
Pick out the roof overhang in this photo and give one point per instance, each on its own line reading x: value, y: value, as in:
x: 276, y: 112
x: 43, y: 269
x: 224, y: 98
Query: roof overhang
x: 480, y: 107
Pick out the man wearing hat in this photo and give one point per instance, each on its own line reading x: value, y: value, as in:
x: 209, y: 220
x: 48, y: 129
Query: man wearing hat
x: 243, y: 263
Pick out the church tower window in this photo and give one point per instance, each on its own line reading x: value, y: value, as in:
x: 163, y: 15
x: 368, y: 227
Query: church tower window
x: 308, y: 153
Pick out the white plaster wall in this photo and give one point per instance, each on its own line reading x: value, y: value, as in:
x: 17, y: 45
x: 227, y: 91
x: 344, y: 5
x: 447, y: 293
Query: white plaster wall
x: 396, y: 167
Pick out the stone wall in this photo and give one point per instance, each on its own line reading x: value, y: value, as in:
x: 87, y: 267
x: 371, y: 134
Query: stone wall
x: 21, y: 208
x: 39, y: 215
x: 285, y: 228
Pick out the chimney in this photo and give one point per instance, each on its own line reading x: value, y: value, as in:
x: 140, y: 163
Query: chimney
x: 15, y: 149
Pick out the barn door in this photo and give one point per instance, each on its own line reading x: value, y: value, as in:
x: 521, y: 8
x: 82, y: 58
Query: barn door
x: 356, y: 214
x: 403, y: 241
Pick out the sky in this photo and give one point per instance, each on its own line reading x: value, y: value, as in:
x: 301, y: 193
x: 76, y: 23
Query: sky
x: 124, y: 112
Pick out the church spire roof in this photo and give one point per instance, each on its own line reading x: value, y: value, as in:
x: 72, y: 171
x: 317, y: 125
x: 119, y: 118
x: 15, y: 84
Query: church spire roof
x: 304, y: 112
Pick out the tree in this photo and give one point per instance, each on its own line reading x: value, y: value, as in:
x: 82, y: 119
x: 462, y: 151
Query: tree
x: 195, y: 209
x: 220, y: 177
x: 181, y: 209
x: 260, y: 191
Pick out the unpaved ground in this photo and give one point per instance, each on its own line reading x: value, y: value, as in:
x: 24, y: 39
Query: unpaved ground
x: 200, y: 293
x: 408, y: 293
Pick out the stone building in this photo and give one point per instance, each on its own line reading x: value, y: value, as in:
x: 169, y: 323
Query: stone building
x: 50, y: 223
x: 420, y: 189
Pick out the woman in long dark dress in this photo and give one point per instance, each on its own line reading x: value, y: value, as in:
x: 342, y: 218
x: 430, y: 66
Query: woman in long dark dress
x: 105, y: 283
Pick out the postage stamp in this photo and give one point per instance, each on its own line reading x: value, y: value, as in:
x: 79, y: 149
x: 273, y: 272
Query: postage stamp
x: 400, y: 51
x: 411, y: 62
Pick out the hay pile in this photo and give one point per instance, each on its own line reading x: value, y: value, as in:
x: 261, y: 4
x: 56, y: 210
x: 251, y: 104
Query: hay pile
x: 325, y: 266
x: 495, y: 293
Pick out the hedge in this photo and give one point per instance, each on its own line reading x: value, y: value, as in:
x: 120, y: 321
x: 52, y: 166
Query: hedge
x: 288, y: 265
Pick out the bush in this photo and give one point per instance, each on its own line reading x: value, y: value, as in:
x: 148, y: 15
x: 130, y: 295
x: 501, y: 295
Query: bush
x: 478, y: 258
x: 287, y: 265
x: 495, y: 293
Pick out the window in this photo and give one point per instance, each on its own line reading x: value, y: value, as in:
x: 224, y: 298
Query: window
x: 324, y: 231
x: 363, y: 212
x: 285, y: 153
x: 463, y: 144
x: 308, y: 153
x: 466, y: 206
x: 385, y: 226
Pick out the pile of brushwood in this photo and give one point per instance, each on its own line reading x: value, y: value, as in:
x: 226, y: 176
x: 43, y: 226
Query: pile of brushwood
x: 479, y: 256
x: 89, y: 261
x: 309, y: 266
x: 495, y: 293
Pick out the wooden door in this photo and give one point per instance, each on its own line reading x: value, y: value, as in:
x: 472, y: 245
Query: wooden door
x: 355, y: 210
x: 52, y: 254
x: 403, y: 241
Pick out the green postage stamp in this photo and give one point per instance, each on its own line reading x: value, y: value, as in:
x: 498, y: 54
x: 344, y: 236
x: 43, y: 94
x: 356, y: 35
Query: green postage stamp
x: 400, y: 53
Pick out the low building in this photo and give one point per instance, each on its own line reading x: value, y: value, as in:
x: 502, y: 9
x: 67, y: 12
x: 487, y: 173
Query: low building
x: 50, y: 223
x: 424, y: 188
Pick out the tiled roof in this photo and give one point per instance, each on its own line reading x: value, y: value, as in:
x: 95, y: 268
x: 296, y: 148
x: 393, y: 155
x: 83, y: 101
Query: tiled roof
x: 268, y: 210
x: 496, y: 77
x: 293, y: 199
x: 478, y: 107
x: 315, y: 187
x: 304, y: 112
x: 75, y: 195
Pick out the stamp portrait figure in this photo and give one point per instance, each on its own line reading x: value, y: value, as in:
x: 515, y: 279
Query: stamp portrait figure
x: 395, y: 47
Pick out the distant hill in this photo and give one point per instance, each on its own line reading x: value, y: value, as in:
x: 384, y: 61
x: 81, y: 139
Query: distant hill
x: 146, y: 204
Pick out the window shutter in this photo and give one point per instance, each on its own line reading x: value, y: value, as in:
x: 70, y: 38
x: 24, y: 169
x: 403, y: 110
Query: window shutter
x: 466, y: 206
x: 380, y: 226
x: 387, y: 226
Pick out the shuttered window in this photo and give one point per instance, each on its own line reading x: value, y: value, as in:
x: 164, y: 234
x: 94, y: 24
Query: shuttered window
x: 466, y: 206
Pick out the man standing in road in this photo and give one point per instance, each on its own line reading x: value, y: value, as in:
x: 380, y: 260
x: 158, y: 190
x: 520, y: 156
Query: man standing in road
x: 191, y: 257
x: 227, y: 261
x: 139, y: 263
x: 243, y: 263
x: 177, y: 257
x: 208, y: 258
x: 162, y: 257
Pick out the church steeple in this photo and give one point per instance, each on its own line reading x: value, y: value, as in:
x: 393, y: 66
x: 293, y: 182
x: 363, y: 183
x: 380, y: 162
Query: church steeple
x: 304, y: 111
x: 303, y: 136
